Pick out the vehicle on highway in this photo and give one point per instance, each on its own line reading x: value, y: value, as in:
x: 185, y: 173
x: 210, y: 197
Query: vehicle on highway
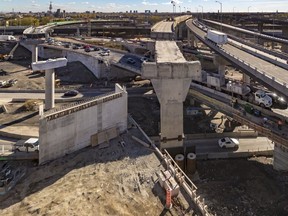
x: 104, y: 54
x: 130, y: 61
x: 96, y: 48
x: 216, y: 37
x: 106, y: 50
x: 88, y: 49
x: 228, y: 142
x: 144, y: 59
x: 71, y: 93
x: 32, y: 144
x: 75, y: 47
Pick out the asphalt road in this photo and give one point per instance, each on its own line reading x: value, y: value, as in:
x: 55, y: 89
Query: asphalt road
x: 247, y: 144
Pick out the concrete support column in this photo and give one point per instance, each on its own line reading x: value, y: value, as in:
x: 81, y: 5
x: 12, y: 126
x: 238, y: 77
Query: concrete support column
x: 280, y: 157
x: 221, y: 64
x: 260, y: 29
x: 78, y: 32
x: 246, y: 79
x: 34, y: 53
x: 191, y: 39
x: 49, y: 89
x: 284, y: 47
x: 49, y: 67
x: 171, y: 82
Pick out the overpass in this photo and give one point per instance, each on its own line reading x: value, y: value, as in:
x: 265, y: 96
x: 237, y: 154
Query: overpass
x: 271, y: 75
x: 41, y: 31
x: 245, y: 31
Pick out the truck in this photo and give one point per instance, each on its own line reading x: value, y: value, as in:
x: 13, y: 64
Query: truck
x: 7, y: 38
x: 216, y: 37
x: 235, y: 89
x: 243, y: 92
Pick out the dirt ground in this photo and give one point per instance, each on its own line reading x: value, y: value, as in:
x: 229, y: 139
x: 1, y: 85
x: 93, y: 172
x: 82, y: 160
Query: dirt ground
x: 120, y: 181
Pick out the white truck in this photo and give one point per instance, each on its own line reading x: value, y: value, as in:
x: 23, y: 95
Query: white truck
x: 7, y: 38
x: 216, y: 37
x: 244, y: 92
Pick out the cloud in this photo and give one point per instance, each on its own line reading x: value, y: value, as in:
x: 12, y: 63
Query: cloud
x: 71, y: 3
x: 35, y: 5
x: 148, y: 3
x: 85, y: 3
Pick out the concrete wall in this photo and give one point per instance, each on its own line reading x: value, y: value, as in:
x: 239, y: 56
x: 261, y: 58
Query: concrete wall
x: 68, y: 130
x: 280, y: 157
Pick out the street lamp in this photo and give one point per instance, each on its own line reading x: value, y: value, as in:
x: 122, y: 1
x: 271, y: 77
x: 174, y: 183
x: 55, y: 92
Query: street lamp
x: 202, y: 10
x: 174, y: 5
x: 220, y: 12
x: 249, y: 8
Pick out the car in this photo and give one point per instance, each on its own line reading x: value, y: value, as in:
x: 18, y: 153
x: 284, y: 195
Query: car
x: 104, y: 54
x: 75, y: 47
x: 96, y: 48
x: 130, y: 61
x: 106, y: 50
x: 71, y: 93
x: 87, y: 49
x: 32, y: 144
x: 228, y: 142
x: 144, y: 59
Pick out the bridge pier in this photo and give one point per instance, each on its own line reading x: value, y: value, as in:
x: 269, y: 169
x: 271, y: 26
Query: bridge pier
x: 49, y: 67
x: 260, y: 29
x: 221, y: 63
x: 34, y: 44
x: 191, y: 39
x: 284, y: 47
x: 246, y: 79
x: 280, y: 157
x: 171, y: 81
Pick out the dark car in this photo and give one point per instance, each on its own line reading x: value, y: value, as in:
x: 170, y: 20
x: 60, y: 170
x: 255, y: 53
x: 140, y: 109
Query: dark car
x: 75, y: 47
x: 96, y: 49
x: 131, y: 61
x: 71, y: 93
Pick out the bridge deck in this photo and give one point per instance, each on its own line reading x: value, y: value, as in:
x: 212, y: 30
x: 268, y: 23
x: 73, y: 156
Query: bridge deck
x: 269, y: 69
x: 168, y: 51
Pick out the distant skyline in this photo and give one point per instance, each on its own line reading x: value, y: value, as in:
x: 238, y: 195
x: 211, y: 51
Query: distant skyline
x: 142, y: 5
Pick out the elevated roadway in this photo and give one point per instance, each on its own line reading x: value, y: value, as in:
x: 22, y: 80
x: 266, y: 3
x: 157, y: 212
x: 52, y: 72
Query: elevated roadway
x: 272, y: 76
x: 44, y: 29
x: 245, y: 31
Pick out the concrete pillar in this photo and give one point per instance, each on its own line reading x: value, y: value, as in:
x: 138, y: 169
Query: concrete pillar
x: 171, y: 82
x: 246, y: 79
x: 78, y: 32
x: 34, y: 53
x: 49, y: 89
x: 221, y: 63
x: 284, y: 47
x: 260, y: 29
x: 49, y: 67
x: 280, y: 157
x: 191, y: 39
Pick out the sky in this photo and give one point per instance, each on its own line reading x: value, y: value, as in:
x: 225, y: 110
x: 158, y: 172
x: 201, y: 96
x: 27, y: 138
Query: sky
x: 142, y: 5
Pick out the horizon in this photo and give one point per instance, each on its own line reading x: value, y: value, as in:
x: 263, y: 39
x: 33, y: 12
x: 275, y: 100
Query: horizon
x: 208, y: 6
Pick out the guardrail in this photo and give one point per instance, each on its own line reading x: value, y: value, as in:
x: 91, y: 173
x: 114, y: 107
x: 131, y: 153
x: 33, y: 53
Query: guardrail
x: 274, y: 61
x: 254, y: 71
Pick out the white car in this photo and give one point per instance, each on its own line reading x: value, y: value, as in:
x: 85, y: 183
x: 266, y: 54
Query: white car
x: 228, y: 142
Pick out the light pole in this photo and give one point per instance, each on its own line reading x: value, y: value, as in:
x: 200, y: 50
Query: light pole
x: 202, y: 10
x: 249, y: 8
x: 174, y: 5
x: 179, y: 8
x: 220, y: 12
